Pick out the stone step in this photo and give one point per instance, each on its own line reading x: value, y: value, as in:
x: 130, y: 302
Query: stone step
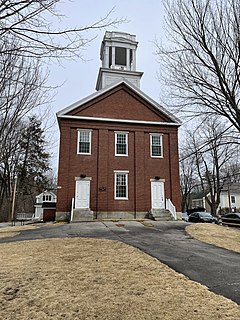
x: 80, y: 215
x: 161, y: 215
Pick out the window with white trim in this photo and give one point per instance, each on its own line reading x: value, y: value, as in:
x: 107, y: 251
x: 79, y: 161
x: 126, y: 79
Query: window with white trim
x: 156, y: 145
x: 84, y: 141
x: 120, y: 56
x: 121, y: 185
x: 121, y: 143
x: 233, y: 199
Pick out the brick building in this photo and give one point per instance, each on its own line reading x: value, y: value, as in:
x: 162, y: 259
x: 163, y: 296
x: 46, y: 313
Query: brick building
x: 118, y: 147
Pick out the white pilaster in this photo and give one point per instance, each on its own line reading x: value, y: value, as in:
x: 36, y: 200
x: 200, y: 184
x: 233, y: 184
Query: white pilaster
x: 128, y: 59
x: 113, y: 57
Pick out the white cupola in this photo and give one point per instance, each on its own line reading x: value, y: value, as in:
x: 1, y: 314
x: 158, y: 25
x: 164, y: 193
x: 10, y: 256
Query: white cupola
x: 118, y: 55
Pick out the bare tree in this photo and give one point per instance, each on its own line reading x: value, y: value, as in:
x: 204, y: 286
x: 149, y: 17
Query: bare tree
x: 203, y: 63
x: 22, y: 89
x: 24, y: 161
x: 188, y: 179
x: 215, y: 156
x: 28, y: 22
x: 9, y: 158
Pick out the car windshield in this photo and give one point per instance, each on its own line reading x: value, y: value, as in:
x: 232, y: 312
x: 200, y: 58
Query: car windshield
x: 205, y: 214
x: 233, y: 215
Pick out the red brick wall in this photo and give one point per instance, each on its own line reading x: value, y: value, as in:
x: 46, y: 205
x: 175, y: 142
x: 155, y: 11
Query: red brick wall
x: 120, y: 103
x: 100, y: 165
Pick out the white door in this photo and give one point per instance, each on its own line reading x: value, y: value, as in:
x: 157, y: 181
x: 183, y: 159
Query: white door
x: 82, y: 198
x: 38, y: 213
x: 157, y: 192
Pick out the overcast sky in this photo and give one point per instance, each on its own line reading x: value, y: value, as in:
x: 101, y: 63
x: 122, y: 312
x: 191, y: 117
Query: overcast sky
x: 78, y: 78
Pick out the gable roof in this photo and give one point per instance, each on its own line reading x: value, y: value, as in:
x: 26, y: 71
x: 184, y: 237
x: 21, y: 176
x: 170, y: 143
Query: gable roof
x: 46, y: 192
x: 64, y: 112
x: 233, y: 187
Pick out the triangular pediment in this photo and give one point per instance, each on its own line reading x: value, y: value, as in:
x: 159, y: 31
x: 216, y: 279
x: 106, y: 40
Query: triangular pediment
x: 120, y: 101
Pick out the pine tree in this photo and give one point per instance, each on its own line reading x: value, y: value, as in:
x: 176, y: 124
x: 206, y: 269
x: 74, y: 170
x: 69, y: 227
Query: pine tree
x: 33, y: 168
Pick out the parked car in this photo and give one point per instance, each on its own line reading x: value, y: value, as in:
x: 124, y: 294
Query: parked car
x: 185, y: 216
x: 202, y: 217
x: 230, y: 219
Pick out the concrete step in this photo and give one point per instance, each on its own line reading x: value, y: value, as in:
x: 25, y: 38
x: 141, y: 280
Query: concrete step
x: 80, y: 215
x: 160, y: 215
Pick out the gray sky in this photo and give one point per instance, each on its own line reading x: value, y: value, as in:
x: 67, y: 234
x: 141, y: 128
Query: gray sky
x: 78, y: 78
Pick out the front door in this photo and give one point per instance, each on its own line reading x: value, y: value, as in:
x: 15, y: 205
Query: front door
x: 157, y: 193
x: 82, y: 198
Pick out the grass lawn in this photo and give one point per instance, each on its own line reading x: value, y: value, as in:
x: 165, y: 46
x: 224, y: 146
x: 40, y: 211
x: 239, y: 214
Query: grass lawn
x: 81, y: 278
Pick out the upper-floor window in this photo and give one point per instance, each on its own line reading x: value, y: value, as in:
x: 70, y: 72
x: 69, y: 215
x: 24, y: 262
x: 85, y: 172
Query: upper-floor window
x: 121, y: 185
x: 233, y: 199
x: 84, y: 141
x: 121, y: 143
x: 156, y: 145
x: 47, y: 197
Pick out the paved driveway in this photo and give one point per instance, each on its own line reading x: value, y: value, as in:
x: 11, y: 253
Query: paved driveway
x: 217, y: 268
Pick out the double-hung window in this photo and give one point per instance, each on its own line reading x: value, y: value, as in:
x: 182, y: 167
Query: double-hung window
x: 121, y: 185
x: 156, y: 145
x: 84, y: 141
x: 233, y: 200
x: 121, y: 143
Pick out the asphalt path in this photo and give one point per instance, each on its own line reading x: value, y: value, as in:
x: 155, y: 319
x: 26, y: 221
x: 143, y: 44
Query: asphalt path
x: 216, y: 268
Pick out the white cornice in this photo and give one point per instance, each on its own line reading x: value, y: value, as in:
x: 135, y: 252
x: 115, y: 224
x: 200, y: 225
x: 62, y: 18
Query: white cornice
x: 175, y: 124
x: 77, y: 104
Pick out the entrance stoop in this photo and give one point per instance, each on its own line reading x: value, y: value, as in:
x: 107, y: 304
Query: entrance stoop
x: 80, y: 215
x: 160, y: 215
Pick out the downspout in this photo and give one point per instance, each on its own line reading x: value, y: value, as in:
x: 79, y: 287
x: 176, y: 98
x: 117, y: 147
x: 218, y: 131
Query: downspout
x: 170, y: 167
x: 135, y: 186
x: 97, y: 176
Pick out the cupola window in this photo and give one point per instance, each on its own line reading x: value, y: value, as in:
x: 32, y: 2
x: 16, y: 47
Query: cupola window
x: 120, y: 56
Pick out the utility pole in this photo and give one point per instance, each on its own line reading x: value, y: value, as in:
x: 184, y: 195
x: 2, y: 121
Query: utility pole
x: 14, y: 199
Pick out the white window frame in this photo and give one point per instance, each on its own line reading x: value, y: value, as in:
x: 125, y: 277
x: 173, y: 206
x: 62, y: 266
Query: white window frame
x: 126, y: 56
x: 233, y: 197
x: 116, y: 172
x: 126, y: 135
x: 161, y: 141
x: 89, y: 131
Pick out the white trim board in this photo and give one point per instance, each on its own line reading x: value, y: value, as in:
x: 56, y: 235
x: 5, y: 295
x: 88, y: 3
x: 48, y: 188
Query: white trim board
x: 77, y: 104
x: 120, y: 120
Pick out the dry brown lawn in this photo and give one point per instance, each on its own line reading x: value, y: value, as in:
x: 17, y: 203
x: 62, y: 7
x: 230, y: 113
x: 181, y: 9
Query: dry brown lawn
x: 98, y: 279
x: 221, y: 236
x: 13, y: 231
